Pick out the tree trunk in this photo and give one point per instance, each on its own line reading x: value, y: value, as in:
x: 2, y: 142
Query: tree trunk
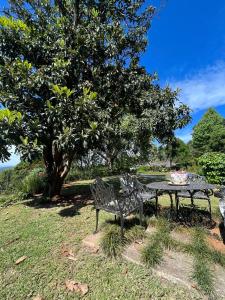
x: 55, y: 185
x: 57, y: 166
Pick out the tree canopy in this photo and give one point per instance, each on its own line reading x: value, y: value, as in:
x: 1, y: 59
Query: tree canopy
x: 71, y: 68
x: 209, y: 134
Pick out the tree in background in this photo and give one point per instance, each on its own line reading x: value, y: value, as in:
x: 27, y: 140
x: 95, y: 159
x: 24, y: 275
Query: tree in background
x: 8, y: 119
x: 175, y: 151
x: 72, y: 69
x: 209, y: 134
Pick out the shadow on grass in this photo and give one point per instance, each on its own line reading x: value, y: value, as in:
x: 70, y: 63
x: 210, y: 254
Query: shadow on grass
x: 189, y: 216
x: 222, y: 231
x: 74, y: 197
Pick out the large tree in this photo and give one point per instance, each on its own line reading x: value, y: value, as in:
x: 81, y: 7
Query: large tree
x: 72, y: 69
x: 209, y: 134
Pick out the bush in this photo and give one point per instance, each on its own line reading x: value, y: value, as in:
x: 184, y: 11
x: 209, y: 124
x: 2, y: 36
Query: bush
x: 11, y: 180
x: 213, y: 167
x: 5, y: 179
x: 150, y: 169
x: 34, y: 183
x: 78, y: 173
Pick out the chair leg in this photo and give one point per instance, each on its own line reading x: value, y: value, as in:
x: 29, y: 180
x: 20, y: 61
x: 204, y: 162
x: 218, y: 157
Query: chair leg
x: 97, y: 216
x: 171, y: 201
x: 177, y: 205
x: 156, y: 205
x: 210, y: 210
x: 122, y: 226
x: 141, y: 214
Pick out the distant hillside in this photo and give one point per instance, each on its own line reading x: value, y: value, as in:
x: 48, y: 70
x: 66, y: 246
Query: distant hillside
x: 4, y: 168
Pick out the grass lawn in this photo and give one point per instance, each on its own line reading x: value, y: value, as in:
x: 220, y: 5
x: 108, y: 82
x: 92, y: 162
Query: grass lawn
x: 45, y: 234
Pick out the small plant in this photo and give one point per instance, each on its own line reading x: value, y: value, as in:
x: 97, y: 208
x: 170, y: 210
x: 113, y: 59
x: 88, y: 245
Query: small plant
x: 111, y: 243
x: 134, y: 233
x: 34, y: 183
x: 152, y: 253
x: 202, y: 273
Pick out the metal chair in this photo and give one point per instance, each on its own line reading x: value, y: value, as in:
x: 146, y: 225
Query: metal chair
x: 221, y: 194
x: 121, y: 206
x: 200, y: 195
x: 129, y: 183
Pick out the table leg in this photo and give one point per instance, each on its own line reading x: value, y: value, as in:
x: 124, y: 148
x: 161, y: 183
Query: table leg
x: 177, y: 204
x: 156, y: 203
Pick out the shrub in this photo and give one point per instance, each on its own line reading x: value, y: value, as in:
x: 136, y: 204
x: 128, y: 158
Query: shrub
x: 5, y: 179
x: 91, y: 172
x: 213, y: 167
x: 11, y: 180
x: 34, y: 183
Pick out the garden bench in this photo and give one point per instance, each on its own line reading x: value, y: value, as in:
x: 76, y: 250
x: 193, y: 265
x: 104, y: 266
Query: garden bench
x: 129, y: 183
x: 120, y: 205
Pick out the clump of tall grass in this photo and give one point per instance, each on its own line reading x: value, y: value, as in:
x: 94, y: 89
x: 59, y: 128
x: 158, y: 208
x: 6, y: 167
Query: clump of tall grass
x: 112, y: 244
x: 152, y: 253
x: 34, y: 182
x: 202, y: 273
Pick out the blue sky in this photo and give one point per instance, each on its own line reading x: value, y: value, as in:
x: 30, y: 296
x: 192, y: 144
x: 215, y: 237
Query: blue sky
x: 187, y: 50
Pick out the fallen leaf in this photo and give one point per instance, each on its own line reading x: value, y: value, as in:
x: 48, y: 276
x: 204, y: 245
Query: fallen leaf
x: 95, y: 250
x: 70, y: 285
x: 77, y: 287
x: 71, y: 258
x: 21, y: 259
x: 38, y: 297
x: 66, y: 251
x: 83, y: 288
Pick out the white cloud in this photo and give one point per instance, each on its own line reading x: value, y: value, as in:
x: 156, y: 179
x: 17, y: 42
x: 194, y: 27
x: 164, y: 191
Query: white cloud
x: 203, y: 89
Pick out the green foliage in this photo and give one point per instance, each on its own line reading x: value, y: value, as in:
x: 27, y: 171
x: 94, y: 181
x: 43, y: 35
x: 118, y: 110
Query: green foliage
x: 89, y: 172
x: 152, y: 253
x: 7, y: 119
x: 209, y: 134
x: 150, y: 169
x: 11, y: 179
x: 74, y: 73
x: 176, y: 151
x: 213, y: 167
x: 5, y: 179
x: 34, y: 183
x: 111, y: 242
x: 13, y: 24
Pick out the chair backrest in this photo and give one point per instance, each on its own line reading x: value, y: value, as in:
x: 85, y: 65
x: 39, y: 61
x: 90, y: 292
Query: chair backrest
x: 196, y: 178
x: 127, y: 183
x: 102, y: 192
x: 221, y: 194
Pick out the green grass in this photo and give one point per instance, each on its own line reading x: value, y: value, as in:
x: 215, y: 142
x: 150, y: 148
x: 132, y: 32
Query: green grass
x: 202, y: 274
x: 111, y: 242
x: 153, y: 251
x: 41, y: 233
